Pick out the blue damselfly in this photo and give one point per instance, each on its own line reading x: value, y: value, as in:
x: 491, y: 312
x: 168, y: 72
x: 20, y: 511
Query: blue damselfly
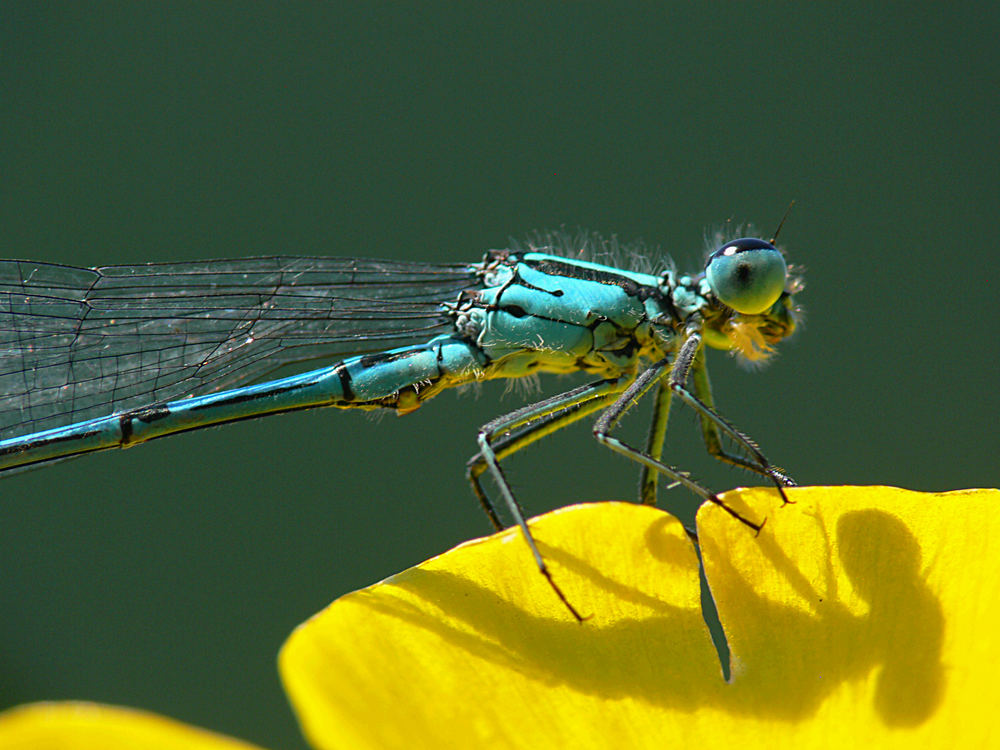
x: 93, y: 359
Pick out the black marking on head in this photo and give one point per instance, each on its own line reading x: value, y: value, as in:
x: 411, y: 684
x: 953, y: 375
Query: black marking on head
x: 744, y: 244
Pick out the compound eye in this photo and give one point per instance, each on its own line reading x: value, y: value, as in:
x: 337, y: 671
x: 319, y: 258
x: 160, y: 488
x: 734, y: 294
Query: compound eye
x: 747, y: 274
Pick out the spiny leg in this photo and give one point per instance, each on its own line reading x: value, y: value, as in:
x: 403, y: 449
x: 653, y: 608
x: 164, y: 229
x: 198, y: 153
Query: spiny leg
x: 509, y: 443
x: 553, y: 413
x: 648, y: 479
x: 712, y: 423
x: 609, y: 419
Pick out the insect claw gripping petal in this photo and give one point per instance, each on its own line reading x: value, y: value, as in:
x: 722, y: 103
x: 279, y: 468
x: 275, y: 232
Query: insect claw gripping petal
x: 760, y: 528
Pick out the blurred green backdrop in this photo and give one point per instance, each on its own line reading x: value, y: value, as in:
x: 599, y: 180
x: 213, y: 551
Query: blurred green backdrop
x: 167, y: 577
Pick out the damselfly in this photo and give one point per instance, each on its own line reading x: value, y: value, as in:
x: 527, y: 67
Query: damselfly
x: 92, y: 359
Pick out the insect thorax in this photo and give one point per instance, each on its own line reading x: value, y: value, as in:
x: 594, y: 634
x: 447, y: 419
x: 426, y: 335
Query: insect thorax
x: 542, y: 313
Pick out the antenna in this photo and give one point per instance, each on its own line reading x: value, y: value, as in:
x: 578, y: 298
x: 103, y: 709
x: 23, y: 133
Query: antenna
x: 782, y: 222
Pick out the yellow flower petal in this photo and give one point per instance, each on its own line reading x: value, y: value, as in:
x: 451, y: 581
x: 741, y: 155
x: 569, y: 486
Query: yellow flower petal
x: 473, y: 649
x: 92, y: 726
x: 861, y: 615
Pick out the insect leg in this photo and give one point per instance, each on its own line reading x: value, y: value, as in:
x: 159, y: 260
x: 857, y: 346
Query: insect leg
x: 609, y: 419
x: 712, y: 424
x: 548, y: 415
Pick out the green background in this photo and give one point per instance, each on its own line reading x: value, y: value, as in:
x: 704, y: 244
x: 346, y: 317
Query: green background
x: 167, y: 577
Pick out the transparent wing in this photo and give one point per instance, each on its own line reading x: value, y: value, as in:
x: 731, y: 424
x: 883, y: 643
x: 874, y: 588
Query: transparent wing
x: 78, y: 343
